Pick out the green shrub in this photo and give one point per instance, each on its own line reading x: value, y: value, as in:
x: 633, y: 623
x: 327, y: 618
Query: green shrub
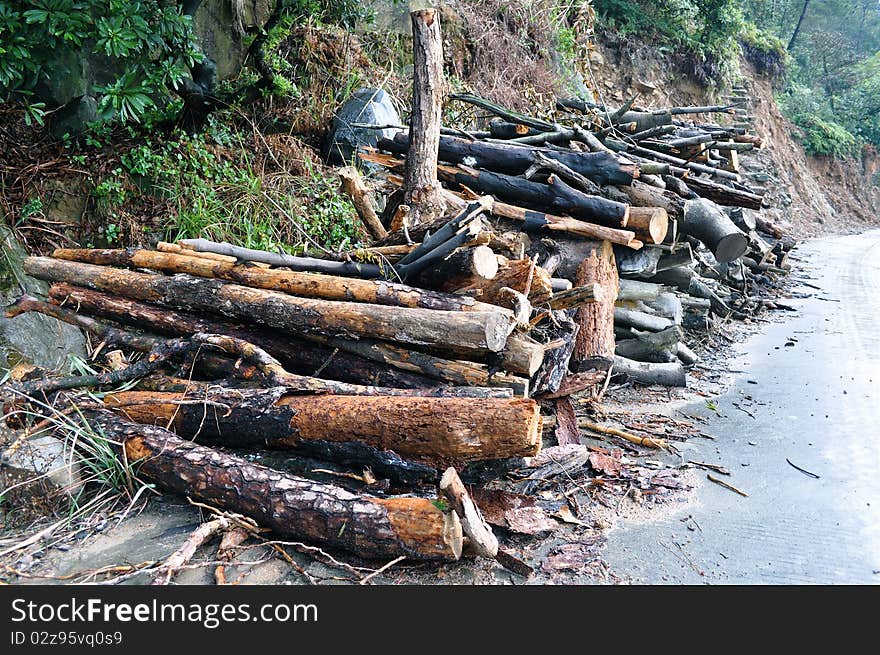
x: 765, y: 51
x: 150, y: 43
x: 817, y: 128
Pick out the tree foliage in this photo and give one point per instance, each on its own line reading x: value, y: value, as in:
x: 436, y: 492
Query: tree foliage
x: 149, y: 42
x: 833, y: 88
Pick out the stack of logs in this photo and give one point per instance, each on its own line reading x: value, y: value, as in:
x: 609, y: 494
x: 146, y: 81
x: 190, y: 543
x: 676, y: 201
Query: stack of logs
x: 572, y: 252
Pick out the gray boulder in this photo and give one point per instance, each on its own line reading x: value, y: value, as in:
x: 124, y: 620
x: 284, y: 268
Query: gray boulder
x: 366, y: 106
x: 34, y: 338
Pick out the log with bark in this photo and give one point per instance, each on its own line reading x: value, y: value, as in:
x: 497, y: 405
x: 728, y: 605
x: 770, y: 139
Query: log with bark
x: 669, y: 375
x: 291, y: 506
x: 421, y: 188
x: 511, y: 159
x: 360, y: 361
x: 309, y: 285
x: 428, y: 430
x: 465, y: 331
x: 704, y: 220
x: 555, y: 197
x: 594, y: 342
x: 347, y: 269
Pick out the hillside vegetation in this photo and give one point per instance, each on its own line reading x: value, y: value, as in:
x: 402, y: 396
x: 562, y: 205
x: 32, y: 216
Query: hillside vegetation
x: 127, y: 122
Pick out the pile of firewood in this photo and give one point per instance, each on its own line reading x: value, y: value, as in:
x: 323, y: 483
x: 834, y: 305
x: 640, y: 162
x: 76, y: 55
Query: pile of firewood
x: 572, y: 252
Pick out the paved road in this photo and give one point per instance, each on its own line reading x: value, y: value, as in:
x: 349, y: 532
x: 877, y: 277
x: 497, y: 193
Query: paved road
x: 816, y: 402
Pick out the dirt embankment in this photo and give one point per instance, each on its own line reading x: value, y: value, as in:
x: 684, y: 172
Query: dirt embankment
x: 814, y: 196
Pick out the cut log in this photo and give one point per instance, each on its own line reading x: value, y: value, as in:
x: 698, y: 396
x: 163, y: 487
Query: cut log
x: 450, y: 371
x: 347, y: 269
x: 176, y: 248
x: 421, y: 188
x: 667, y: 305
x: 640, y: 263
x: 361, y: 361
x: 668, y: 375
x: 650, y: 224
x: 428, y: 430
x: 439, y: 234
x: 743, y: 218
x: 539, y: 221
x: 481, y: 538
x: 511, y: 159
x: 521, y: 275
x: 309, y: 285
x: 594, y: 341
x: 291, y: 506
x: 682, y: 255
x: 500, y: 129
x: 636, y: 290
x: 686, y: 355
x: 466, y: 330
x: 704, y: 220
x: 354, y: 187
x: 659, y: 347
x: 575, y: 296
x: 644, y: 195
x: 554, y: 197
x: 462, y: 268
x: 640, y: 320
x: 724, y: 195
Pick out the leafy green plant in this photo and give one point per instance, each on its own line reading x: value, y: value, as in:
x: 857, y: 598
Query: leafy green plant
x: 31, y: 207
x: 149, y: 42
x: 214, y: 190
x: 818, y: 130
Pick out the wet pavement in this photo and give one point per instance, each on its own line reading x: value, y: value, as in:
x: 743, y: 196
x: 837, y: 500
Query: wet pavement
x: 808, y: 392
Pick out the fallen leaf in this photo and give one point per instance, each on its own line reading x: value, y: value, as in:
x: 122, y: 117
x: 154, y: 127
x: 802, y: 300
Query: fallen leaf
x: 529, y: 520
x: 564, y: 514
x: 610, y: 465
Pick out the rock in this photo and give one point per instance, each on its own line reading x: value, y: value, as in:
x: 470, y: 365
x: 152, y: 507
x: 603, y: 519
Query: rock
x: 370, y: 106
x: 43, y: 457
x: 38, y: 339
x: 73, y: 118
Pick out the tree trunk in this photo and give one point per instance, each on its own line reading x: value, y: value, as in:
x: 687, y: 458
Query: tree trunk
x: 428, y: 430
x: 309, y: 285
x: 291, y: 506
x: 595, y: 338
x: 706, y: 222
x: 421, y: 188
x: 468, y: 331
x: 797, y: 28
x: 644, y: 195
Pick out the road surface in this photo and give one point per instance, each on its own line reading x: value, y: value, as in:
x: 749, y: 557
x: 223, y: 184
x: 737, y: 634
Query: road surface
x: 809, y: 392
